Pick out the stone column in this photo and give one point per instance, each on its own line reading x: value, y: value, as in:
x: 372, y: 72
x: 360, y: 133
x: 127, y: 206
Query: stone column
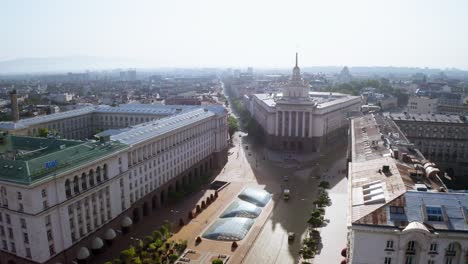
x: 276, y: 124
x: 282, y: 125
x: 310, y: 124
x: 297, y: 123
x: 289, y: 123
x: 303, y: 124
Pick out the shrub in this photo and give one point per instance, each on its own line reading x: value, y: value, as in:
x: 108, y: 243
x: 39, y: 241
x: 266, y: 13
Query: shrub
x: 324, y: 184
x: 148, y: 239
x: 173, y: 258
x: 157, y: 235
x: 217, y: 261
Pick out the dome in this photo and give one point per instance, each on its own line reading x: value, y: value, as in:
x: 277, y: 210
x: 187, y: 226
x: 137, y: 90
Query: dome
x: 83, y: 253
x: 97, y: 243
x: 109, y: 234
x: 126, y: 222
x: 415, y: 226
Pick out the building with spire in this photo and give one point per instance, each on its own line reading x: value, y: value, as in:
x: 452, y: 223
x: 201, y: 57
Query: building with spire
x: 299, y: 120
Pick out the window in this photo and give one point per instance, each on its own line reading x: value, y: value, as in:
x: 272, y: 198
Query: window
x: 45, y: 204
x: 388, y: 260
x: 44, y: 193
x: 409, y: 260
x: 410, y: 246
x: 20, y: 196
x: 26, y: 238
x: 21, y: 207
x: 8, y: 220
x: 13, y: 247
x: 23, y: 222
x: 434, y: 214
x: 431, y: 261
x: 10, y: 233
x: 52, y: 250
x: 397, y: 210
x: 389, y: 244
x: 28, y: 252
x: 47, y: 220
x: 49, y: 235
x: 433, y: 247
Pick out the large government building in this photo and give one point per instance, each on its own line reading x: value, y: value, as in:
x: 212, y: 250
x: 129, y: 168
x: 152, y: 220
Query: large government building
x: 62, y: 199
x: 300, y: 120
x: 399, y: 209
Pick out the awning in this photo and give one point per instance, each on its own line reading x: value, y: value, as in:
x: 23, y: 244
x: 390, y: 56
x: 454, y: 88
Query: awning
x: 83, y: 253
x: 109, y: 234
x: 97, y: 243
x: 126, y: 222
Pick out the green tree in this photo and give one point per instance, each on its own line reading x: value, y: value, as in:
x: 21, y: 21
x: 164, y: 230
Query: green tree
x: 217, y: 261
x: 43, y: 132
x: 233, y: 125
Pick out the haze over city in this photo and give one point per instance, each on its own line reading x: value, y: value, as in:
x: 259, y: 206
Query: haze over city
x: 230, y: 132
x: 238, y: 33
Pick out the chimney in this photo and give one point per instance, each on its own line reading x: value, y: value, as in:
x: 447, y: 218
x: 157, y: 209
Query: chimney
x: 14, y: 106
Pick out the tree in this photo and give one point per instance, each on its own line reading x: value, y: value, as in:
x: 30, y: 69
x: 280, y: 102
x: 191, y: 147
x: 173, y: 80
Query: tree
x: 324, y: 184
x: 173, y: 258
x: 217, y: 261
x: 233, y: 125
x: 43, y: 132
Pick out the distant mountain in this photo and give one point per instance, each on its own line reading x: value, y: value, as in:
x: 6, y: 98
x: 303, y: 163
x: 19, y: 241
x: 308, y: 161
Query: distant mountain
x: 63, y: 64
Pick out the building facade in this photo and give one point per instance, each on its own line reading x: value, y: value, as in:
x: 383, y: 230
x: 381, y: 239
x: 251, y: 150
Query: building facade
x: 399, y: 210
x: 441, y: 138
x: 300, y: 120
x: 62, y: 199
x: 422, y: 105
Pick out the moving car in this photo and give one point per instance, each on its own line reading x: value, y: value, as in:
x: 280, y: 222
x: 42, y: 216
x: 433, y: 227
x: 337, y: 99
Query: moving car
x: 286, y: 194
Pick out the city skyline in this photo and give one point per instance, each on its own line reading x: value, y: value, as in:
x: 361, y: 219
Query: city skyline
x: 237, y: 34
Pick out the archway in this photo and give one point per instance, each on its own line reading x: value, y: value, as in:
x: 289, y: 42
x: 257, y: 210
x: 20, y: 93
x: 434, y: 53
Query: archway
x: 154, y: 202
x: 177, y: 186
x: 136, y: 215
x: 145, y: 209
x: 162, y: 198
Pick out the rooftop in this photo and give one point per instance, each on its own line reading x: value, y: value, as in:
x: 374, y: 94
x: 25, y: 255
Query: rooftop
x: 26, y: 160
x: 436, y: 118
x: 385, y: 165
x: 164, y: 110
x: 321, y: 99
x: 142, y: 132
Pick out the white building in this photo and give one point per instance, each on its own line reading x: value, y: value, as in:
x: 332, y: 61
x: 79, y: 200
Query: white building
x: 399, y: 209
x: 60, y: 97
x: 60, y: 199
x: 422, y: 105
x: 300, y: 120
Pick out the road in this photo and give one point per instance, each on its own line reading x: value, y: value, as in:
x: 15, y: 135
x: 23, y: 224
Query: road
x: 271, y: 245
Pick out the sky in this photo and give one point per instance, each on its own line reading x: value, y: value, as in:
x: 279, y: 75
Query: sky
x: 238, y: 33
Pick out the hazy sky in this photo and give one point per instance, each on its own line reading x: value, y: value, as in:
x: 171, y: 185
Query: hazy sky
x: 241, y: 32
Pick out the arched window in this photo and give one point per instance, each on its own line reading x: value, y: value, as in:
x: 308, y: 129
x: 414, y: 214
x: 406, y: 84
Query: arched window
x: 68, y: 188
x: 104, y: 172
x: 84, y: 181
x: 98, y: 174
x: 91, y: 178
x: 76, y: 185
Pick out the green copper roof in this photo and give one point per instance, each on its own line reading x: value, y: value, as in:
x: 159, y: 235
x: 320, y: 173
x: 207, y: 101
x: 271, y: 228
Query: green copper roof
x: 26, y: 160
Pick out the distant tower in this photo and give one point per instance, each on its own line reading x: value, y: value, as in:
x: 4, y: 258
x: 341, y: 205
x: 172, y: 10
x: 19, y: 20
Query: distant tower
x: 14, y: 106
x: 296, y: 71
